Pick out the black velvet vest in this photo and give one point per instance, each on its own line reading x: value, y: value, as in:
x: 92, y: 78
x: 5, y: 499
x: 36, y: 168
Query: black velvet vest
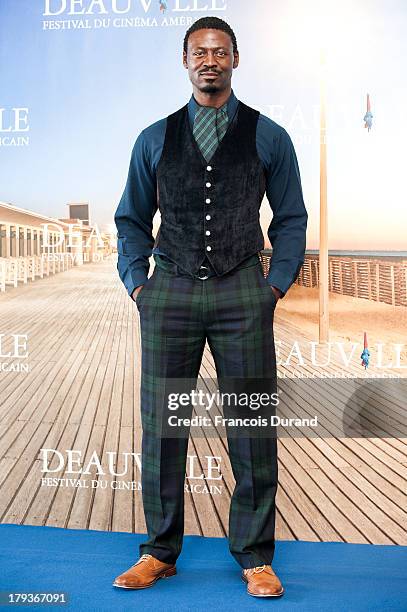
x: 233, y: 180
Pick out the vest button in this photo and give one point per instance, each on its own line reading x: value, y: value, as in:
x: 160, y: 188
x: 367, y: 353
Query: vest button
x: 208, y: 248
x: 207, y: 233
x: 207, y: 217
x: 209, y: 184
x: 209, y: 168
x: 208, y: 200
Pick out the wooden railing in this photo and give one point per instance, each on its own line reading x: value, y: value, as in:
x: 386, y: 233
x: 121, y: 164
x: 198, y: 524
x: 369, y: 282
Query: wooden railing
x: 377, y: 279
x: 15, y: 270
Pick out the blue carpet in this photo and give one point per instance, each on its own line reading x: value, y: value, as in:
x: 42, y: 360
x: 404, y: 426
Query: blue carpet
x: 317, y: 576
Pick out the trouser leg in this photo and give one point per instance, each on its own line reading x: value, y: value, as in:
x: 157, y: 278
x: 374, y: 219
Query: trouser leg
x: 172, y: 345
x: 240, y: 335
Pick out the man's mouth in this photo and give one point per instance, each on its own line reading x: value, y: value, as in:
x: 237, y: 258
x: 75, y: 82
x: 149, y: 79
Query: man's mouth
x: 209, y: 74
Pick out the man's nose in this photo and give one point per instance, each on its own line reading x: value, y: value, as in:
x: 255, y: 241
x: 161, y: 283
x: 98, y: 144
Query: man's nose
x: 211, y: 59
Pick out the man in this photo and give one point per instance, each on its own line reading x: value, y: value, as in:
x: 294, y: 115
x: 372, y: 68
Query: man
x: 207, y: 167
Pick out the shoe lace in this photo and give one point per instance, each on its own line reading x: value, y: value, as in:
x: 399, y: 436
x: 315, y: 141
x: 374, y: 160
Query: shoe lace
x: 255, y: 570
x: 143, y: 558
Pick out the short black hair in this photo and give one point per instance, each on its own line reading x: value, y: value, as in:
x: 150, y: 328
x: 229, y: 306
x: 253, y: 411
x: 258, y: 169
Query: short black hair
x: 213, y: 23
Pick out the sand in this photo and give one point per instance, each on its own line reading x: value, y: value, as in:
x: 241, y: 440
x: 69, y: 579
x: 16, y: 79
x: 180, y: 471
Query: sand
x: 349, y: 318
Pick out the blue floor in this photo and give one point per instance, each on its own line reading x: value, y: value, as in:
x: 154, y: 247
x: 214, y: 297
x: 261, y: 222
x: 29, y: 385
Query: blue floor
x: 316, y: 576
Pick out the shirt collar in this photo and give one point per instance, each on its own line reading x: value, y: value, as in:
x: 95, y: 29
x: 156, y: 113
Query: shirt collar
x: 232, y: 103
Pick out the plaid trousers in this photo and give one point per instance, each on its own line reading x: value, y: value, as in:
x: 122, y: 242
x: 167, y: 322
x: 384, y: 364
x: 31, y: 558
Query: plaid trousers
x: 234, y: 313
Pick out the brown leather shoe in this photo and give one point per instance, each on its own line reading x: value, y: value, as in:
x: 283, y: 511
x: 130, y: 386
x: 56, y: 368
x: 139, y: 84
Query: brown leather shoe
x: 144, y: 573
x: 262, y: 581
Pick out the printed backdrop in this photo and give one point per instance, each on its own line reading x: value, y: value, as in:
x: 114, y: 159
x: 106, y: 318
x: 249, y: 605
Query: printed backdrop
x: 79, y: 80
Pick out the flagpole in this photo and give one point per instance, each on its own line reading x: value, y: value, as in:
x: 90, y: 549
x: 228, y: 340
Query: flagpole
x: 323, y: 210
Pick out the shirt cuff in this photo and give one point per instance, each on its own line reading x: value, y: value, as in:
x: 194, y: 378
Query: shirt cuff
x: 134, y: 278
x: 279, y: 280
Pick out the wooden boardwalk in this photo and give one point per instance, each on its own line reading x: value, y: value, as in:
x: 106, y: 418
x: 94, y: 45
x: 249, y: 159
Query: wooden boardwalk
x: 81, y: 393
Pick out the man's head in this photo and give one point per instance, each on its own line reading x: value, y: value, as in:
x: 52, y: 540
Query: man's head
x: 210, y: 47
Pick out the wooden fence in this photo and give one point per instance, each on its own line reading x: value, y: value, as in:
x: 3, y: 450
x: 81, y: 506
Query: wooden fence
x: 376, y: 279
x: 15, y: 270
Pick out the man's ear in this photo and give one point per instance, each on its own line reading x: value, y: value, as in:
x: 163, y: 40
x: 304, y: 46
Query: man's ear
x: 184, y: 59
x: 236, y: 60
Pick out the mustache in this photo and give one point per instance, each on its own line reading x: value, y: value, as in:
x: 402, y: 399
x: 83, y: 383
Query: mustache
x: 213, y: 71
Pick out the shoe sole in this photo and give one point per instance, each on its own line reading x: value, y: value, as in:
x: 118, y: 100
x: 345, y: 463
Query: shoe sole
x: 263, y: 595
x: 167, y: 574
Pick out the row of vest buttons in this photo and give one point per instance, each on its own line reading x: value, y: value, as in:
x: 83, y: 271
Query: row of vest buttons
x: 208, y: 217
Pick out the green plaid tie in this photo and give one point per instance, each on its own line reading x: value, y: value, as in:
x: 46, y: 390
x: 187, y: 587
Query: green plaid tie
x: 210, y: 125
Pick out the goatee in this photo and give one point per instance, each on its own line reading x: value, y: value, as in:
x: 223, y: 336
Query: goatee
x: 209, y: 88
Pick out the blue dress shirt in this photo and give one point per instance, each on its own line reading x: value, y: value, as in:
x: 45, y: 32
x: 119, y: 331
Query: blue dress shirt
x: 138, y: 204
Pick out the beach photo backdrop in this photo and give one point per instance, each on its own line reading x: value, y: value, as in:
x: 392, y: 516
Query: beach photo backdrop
x: 79, y: 81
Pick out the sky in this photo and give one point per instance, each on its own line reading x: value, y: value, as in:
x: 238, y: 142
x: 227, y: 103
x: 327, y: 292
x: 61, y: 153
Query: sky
x: 90, y: 91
